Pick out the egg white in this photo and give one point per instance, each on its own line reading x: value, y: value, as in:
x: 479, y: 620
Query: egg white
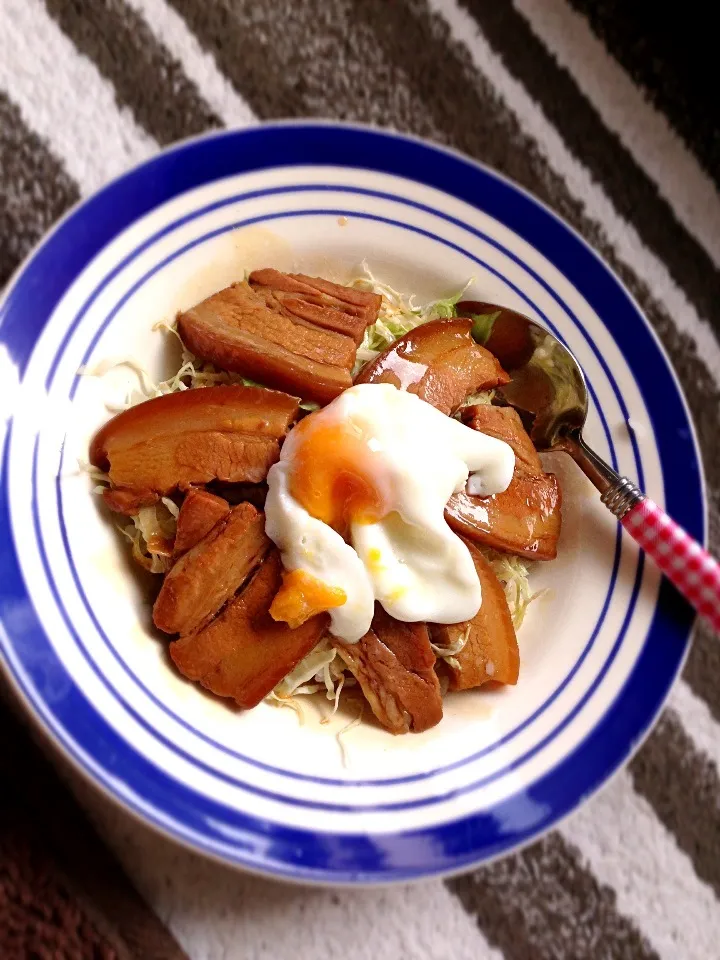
x: 410, y: 560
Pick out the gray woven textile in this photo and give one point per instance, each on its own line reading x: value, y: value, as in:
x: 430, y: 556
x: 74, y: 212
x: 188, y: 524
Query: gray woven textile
x: 610, y: 143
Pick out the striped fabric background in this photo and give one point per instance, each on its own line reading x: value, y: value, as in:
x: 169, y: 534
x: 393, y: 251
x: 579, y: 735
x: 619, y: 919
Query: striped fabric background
x: 577, y: 101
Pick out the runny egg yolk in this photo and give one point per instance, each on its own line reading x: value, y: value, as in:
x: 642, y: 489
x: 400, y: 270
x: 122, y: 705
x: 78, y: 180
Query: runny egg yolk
x: 301, y: 596
x: 335, y: 475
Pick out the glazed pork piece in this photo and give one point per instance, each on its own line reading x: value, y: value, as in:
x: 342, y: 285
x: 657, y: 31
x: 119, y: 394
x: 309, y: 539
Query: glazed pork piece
x: 199, y: 513
x: 210, y: 573
x: 318, y: 301
x: 394, y: 665
x: 491, y: 651
x: 440, y: 362
x: 243, y: 653
x: 288, y: 331
x: 525, y: 519
x: 227, y: 433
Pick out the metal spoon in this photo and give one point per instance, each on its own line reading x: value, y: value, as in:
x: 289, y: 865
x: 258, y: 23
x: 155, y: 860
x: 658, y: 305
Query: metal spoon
x: 549, y: 392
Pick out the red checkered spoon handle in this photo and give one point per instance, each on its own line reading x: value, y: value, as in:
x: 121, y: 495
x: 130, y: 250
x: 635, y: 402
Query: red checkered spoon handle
x: 693, y: 571
x: 683, y: 561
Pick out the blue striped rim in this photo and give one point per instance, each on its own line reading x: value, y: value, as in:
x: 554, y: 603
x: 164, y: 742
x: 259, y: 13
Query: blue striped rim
x: 88, y: 606
x: 259, y: 843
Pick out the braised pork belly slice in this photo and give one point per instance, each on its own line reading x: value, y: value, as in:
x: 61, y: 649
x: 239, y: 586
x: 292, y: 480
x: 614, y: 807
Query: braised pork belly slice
x: 243, y: 653
x: 234, y: 493
x: 525, y: 519
x: 252, y: 331
x: 228, y: 433
x: 199, y: 513
x: 319, y: 301
x: 394, y: 665
x: 491, y: 651
x: 210, y: 573
x: 504, y: 423
x: 129, y: 502
x: 440, y: 362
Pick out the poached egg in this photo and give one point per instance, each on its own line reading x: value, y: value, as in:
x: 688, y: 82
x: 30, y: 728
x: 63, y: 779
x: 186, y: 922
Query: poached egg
x: 356, y: 507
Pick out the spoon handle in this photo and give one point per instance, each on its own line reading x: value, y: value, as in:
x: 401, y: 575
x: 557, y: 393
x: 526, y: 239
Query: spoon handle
x: 683, y: 561
x: 681, y: 558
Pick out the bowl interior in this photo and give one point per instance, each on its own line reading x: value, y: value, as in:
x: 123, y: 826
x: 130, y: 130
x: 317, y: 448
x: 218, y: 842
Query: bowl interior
x: 240, y: 773
x: 573, y: 588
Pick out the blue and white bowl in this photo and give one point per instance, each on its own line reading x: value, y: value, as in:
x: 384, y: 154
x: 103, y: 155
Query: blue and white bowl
x: 600, y: 648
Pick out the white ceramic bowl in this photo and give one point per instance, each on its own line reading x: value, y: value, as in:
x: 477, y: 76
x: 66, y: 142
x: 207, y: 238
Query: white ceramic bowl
x: 599, y: 650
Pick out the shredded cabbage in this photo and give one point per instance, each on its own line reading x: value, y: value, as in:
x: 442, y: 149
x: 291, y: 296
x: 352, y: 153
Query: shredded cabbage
x: 151, y: 531
x: 454, y: 648
x: 484, y: 396
x: 445, y: 309
x: 398, y: 315
x: 449, y: 653
x: 513, y: 573
x: 336, y: 699
x: 345, y: 730
x: 273, y: 699
x: 321, y: 669
x: 173, y: 508
x: 297, y: 681
x: 482, y: 325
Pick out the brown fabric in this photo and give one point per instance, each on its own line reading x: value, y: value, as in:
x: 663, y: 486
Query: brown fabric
x: 119, y: 42
x: 543, y: 904
x: 62, y: 895
x: 41, y: 912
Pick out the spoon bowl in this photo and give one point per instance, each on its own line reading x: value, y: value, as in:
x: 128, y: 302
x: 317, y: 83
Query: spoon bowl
x: 548, y: 387
x: 548, y: 390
